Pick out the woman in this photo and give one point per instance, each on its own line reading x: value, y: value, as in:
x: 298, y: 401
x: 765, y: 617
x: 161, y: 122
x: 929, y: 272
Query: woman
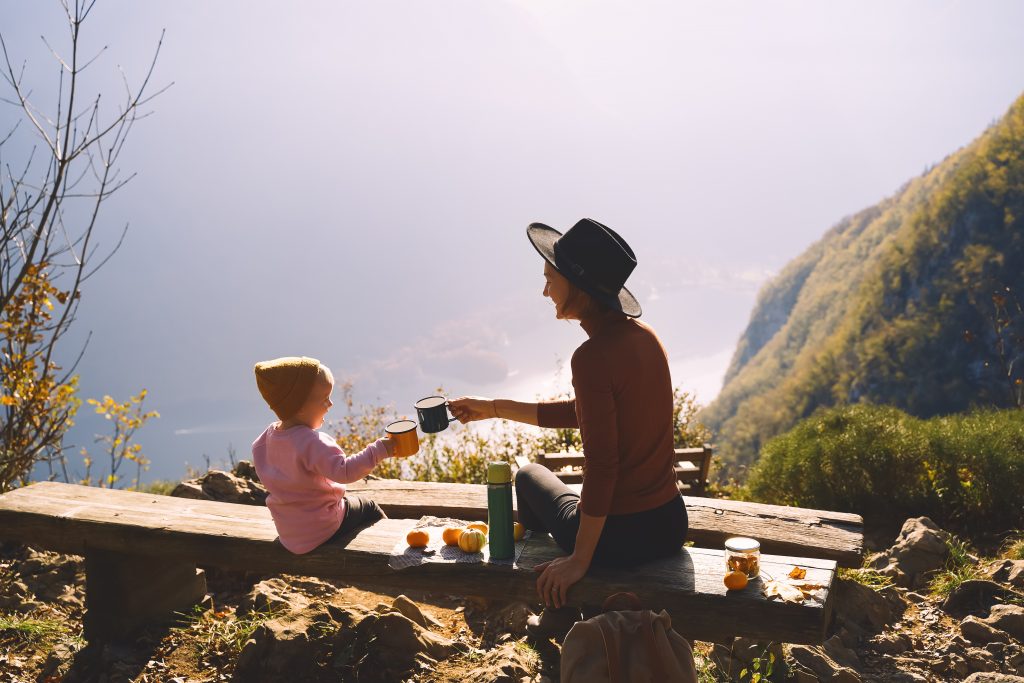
x: 629, y: 510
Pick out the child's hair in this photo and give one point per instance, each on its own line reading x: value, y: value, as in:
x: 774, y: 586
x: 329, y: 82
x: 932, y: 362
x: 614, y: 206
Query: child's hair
x: 285, y: 382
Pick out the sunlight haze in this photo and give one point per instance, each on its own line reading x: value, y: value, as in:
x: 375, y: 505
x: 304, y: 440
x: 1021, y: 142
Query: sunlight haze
x: 353, y: 181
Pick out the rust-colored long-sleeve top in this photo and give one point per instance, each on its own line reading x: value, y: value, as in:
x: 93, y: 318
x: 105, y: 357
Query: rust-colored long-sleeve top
x: 623, y: 409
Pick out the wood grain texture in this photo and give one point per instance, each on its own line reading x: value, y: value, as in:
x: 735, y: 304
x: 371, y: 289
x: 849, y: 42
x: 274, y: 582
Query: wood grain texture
x: 76, y: 519
x: 692, y: 466
x: 782, y: 530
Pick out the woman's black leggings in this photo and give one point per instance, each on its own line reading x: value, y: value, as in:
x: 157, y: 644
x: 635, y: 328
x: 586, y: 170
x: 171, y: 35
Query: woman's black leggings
x: 547, y: 504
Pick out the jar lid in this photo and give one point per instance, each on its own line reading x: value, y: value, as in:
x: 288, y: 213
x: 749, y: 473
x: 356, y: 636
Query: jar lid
x: 499, y: 473
x: 742, y: 544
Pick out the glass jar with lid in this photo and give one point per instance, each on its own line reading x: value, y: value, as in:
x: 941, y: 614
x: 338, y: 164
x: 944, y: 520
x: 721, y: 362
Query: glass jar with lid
x: 743, y: 554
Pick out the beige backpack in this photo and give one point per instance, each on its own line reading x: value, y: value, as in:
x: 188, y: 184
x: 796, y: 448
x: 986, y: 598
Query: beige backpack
x: 630, y: 646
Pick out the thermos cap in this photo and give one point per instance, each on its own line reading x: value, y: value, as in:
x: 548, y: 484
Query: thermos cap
x: 499, y: 473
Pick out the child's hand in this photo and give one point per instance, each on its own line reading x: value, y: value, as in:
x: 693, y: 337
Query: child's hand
x: 389, y: 445
x: 472, y: 408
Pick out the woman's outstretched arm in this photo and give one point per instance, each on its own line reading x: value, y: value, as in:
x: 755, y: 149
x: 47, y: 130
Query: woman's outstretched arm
x: 473, y: 408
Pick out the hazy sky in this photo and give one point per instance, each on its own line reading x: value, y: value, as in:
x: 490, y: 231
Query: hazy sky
x: 352, y: 181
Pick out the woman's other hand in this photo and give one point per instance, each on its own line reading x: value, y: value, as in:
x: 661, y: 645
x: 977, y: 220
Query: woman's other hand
x: 557, y: 576
x: 472, y: 408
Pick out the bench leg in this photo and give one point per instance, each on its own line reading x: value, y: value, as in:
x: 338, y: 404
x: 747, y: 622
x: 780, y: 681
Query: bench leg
x: 124, y: 592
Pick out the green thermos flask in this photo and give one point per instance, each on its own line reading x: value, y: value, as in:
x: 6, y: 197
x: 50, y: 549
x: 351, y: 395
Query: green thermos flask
x: 500, y: 535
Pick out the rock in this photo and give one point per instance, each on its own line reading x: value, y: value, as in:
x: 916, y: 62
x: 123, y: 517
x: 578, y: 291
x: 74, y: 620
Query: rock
x: 950, y: 663
x: 224, y: 487
x: 977, y: 631
x: 892, y: 643
x: 245, y: 470
x: 870, y: 609
x: 823, y: 667
x: 16, y: 597
x: 980, y: 659
x: 412, y: 611
x: 974, y: 596
x: 390, y: 646
x: 992, y: 677
x: 508, y: 663
x: 1009, y: 618
x: 842, y: 655
x: 851, y: 635
x: 511, y: 619
x: 190, y: 490
x: 227, y: 488
x: 287, y: 649
x: 59, y: 662
x: 53, y: 577
x: 1001, y: 570
x: 919, y: 550
x: 273, y: 596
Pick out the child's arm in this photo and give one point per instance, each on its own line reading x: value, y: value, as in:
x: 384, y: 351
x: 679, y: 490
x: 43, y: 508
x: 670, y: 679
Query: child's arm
x: 327, y: 458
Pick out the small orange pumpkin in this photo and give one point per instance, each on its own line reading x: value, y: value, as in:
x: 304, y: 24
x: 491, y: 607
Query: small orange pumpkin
x: 417, y: 538
x: 479, y: 526
x: 518, y: 531
x: 735, y: 581
x: 451, y: 535
x: 472, y: 540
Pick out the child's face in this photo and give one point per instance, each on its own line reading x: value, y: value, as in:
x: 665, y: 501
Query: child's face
x: 318, y: 403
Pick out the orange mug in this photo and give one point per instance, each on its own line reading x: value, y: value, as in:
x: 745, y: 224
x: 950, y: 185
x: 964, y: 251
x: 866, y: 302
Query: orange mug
x: 403, y: 434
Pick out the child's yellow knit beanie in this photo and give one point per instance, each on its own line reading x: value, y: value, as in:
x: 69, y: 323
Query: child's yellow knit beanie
x: 285, y: 383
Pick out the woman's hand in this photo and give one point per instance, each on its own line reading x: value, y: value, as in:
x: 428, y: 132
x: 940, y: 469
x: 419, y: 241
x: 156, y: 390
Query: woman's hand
x: 557, y: 576
x: 472, y: 408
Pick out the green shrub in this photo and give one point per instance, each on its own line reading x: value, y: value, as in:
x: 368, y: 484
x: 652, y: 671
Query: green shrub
x: 878, y: 461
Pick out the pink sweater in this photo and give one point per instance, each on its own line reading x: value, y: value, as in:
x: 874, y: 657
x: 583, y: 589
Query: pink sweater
x: 305, y: 471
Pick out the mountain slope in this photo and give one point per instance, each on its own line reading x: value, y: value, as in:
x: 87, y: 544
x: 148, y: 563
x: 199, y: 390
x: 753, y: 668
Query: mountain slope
x: 896, y: 305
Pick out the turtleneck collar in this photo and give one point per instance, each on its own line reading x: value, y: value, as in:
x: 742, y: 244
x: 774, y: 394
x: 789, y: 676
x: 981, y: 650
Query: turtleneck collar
x: 594, y: 324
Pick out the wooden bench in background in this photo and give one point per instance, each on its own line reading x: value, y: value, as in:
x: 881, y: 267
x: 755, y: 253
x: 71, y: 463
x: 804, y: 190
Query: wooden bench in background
x: 692, y: 468
x: 142, y: 552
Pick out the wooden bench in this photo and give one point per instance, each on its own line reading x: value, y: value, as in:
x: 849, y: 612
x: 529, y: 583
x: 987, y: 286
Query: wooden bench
x: 141, y: 553
x: 782, y: 530
x: 692, y: 467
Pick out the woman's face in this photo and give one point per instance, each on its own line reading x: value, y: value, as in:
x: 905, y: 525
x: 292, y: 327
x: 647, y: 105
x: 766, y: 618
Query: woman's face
x: 556, y: 288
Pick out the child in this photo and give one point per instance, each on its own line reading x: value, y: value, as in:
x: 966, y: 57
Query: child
x: 304, y: 469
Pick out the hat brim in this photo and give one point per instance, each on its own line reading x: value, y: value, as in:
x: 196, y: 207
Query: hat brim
x: 543, y: 239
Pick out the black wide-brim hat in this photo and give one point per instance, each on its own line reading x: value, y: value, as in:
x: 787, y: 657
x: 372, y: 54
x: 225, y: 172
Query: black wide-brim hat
x: 593, y: 257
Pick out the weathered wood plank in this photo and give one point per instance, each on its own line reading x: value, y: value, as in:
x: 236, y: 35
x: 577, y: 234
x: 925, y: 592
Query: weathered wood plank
x: 76, y: 519
x: 691, y: 467
x: 782, y: 530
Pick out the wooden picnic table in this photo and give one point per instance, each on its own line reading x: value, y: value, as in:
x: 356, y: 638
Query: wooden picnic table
x: 142, y: 550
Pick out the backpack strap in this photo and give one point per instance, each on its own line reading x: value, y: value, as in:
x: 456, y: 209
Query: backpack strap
x: 611, y: 653
x: 654, y: 657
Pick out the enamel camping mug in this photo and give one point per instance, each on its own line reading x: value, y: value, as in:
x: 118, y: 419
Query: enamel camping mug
x: 433, y: 414
x: 403, y: 433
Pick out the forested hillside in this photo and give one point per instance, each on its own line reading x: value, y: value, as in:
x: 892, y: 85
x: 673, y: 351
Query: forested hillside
x: 914, y: 302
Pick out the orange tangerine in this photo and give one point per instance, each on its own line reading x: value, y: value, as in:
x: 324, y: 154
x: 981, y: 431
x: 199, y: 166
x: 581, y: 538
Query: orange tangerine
x: 417, y: 538
x: 518, y: 531
x: 479, y: 526
x: 451, y: 535
x: 735, y: 581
